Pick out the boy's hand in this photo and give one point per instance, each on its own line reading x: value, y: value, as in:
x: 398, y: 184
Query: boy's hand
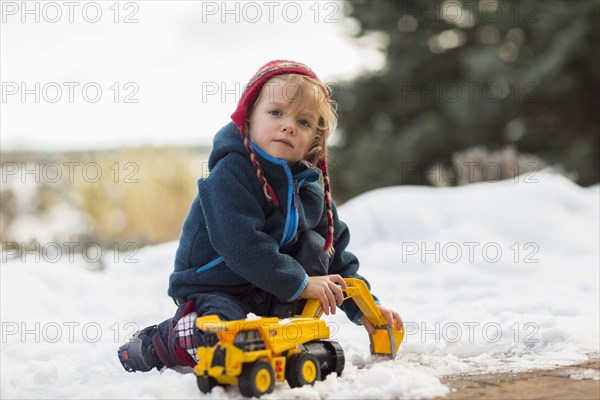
x: 326, y: 290
x: 389, y: 315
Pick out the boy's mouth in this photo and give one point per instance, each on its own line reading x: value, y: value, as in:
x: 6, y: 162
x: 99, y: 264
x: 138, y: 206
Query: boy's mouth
x: 285, y: 142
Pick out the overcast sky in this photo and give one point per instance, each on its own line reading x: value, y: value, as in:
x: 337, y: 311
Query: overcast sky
x: 84, y: 75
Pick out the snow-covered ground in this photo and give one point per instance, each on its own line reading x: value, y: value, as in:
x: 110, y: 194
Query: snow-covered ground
x: 487, y: 277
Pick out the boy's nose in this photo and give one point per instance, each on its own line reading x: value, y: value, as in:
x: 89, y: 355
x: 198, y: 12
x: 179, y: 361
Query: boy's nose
x: 288, y: 127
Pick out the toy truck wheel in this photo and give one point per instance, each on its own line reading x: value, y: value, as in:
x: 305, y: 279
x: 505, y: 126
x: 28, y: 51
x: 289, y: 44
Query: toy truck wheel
x: 257, y: 379
x: 302, y: 369
x: 206, y: 384
x: 329, y: 354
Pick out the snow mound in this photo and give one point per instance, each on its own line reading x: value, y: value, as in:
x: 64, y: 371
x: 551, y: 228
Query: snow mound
x: 487, y: 277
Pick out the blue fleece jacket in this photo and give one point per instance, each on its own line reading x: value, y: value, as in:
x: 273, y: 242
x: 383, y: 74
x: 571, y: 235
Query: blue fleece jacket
x: 233, y: 239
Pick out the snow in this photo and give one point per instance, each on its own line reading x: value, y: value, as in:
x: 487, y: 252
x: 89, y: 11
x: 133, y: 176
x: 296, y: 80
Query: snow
x: 488, y: 277
x: 252, y: 317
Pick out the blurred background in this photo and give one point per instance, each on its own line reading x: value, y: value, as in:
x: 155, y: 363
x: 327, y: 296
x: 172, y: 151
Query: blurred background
x: 108, y: 109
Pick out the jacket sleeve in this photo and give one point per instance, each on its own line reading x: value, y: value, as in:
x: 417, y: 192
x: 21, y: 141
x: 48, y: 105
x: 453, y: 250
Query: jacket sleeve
x: 232, y: 202
x: 346, y: 264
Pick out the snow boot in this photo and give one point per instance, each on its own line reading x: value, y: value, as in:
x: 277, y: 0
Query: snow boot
x: 171, y: 343
x: 139, y: 354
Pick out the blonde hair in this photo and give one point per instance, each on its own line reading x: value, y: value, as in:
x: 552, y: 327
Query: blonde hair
x: 325, y: 107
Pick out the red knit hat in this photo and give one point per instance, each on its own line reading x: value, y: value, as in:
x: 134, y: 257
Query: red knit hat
x: 239, y: 117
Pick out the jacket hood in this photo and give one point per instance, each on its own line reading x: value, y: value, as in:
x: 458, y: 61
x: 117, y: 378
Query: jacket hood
x: 226, y: 141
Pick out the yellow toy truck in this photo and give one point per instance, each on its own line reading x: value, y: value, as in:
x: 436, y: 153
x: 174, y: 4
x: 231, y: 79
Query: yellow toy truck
x: 257, y: 352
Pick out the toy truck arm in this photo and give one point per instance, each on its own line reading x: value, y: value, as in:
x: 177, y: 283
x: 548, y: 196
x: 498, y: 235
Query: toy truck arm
x: 359, y: 292
x: 386, y: 339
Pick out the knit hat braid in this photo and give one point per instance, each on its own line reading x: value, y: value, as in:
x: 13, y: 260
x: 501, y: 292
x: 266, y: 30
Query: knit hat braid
x: 328, y: 208
x: 240, y: 116
x: 267, y: 189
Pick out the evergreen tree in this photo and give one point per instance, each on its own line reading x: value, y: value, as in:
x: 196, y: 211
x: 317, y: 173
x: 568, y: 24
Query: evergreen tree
x: 473, y: 73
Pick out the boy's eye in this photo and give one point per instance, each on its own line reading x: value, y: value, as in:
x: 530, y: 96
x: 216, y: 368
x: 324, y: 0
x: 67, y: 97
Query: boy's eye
x: 275, y: 112
x: 304, y: 122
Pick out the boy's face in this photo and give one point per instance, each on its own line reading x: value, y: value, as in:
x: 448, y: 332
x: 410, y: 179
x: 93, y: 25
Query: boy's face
x: 283, y: 121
